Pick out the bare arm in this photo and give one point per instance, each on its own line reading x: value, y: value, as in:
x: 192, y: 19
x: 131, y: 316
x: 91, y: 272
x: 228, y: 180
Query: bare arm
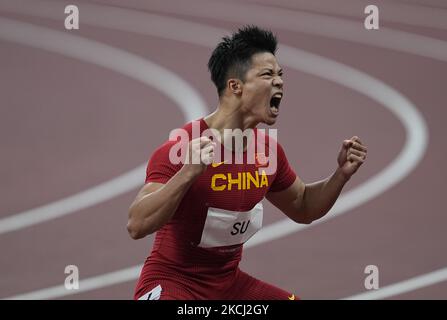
x: 304, y: 203
x: 156, y: 203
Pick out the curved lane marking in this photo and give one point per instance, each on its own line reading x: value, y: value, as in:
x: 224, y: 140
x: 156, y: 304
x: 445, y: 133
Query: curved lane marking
x: 313, y: 64
x: 133, y: 66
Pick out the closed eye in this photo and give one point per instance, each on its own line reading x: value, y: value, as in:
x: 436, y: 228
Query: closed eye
x: 270, y: 74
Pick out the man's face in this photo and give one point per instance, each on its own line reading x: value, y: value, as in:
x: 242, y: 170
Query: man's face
x: 262, y: 89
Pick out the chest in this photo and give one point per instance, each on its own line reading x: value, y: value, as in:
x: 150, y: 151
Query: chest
x: 237, y: 187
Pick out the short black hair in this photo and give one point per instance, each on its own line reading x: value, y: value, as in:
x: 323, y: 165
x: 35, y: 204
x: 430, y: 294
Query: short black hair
x: 232, y: 56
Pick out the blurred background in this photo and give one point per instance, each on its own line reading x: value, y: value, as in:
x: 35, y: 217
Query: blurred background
x: 83, y: 109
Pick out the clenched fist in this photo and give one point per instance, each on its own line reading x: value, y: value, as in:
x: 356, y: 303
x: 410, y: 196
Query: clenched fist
x: 351, y: 156
x: 200, y: 154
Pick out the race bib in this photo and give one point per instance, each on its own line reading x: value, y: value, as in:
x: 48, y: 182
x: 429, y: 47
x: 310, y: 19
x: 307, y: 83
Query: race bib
x: 227, y: 228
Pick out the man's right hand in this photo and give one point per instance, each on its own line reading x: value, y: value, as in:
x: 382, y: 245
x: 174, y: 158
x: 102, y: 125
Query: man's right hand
x: 200, y: 155
x: 156, y: 203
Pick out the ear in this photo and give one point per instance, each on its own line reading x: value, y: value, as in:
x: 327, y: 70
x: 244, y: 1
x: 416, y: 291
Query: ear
x: 235, y: 86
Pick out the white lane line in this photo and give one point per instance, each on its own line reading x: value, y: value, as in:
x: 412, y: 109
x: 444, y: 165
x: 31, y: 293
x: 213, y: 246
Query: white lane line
x: 121, y: 19
x: 403, y: 286
x: 92, y: 283
x: 409, y: 14
x: 130, y: 274
x: 149, y: 24
x: 408, y: 158
x: 309, y: 23
x: 295, y: 21
x: 188, y: 100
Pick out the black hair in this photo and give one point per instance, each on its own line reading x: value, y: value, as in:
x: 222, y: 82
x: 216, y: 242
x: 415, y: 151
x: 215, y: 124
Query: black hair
x: 232, y: 56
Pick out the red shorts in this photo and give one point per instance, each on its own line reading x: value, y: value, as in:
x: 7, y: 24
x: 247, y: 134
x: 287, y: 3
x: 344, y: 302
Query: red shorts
x: 242, y: 287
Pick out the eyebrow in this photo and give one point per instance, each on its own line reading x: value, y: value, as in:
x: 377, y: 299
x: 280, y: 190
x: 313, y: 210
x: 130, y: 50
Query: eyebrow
x: 271, y: 70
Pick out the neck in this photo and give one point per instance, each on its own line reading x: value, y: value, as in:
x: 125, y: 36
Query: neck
x: 229, y: 117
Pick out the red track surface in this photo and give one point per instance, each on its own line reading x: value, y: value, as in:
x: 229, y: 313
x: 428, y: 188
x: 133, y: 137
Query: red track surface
x: 67, y: 125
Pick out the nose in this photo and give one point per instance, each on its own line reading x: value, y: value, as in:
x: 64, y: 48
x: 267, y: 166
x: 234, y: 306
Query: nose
x: 278, y: 82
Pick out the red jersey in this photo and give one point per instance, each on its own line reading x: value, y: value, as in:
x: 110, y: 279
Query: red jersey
x: 203, y: 241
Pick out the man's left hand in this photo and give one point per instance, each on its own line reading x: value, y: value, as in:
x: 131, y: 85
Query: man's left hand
x: 351, y: 156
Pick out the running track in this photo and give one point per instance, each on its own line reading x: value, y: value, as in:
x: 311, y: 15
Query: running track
x: 82, y: 110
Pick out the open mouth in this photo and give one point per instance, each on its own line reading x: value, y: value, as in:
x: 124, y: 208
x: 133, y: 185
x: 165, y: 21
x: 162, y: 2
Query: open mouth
x: 275, y: 102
